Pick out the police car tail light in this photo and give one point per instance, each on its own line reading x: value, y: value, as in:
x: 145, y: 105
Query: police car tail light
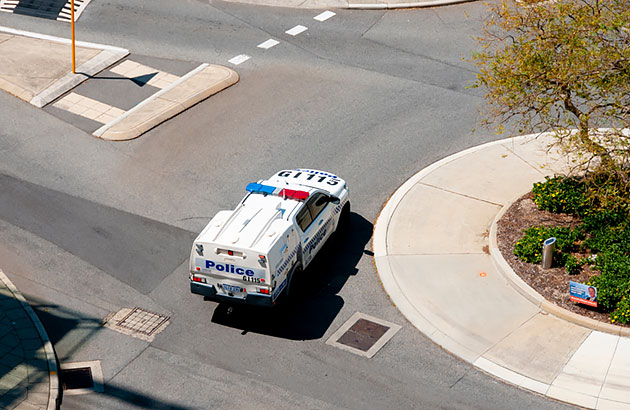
x: 263, y: 290
x: 199, y: 279
x: 229, y: 252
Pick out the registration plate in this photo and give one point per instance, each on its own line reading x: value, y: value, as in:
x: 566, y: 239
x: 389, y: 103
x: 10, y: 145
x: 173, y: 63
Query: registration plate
x: 232, y: 289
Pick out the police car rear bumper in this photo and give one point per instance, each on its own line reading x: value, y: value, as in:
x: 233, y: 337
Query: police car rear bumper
x: 210, y: 292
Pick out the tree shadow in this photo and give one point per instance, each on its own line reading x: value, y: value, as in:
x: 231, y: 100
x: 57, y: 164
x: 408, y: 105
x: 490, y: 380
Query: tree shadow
x: 58, y: 323
x: 313, y: 303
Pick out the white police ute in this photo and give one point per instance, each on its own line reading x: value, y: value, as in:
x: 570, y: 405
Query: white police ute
x: 251, y: 254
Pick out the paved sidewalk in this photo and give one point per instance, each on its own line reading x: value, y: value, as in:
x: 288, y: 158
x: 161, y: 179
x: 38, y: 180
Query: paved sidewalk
x: 38, y: 69
x: 28, y: 367
x: 435, y: 252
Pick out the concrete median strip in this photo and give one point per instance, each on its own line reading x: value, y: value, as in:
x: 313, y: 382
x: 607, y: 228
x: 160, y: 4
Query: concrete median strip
x: 46, y: 75
x: 197, y: 85
x: 46, y: 64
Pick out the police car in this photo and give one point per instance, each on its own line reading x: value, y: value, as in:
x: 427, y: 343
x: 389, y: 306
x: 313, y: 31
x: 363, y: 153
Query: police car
x: 251, y: 254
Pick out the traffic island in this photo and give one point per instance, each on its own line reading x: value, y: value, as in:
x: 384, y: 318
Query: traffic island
x: 36, y: 67
x: 194, y: 87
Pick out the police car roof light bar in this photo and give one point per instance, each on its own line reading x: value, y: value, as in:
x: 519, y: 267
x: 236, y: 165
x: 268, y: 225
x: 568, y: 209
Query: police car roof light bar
x: 260, y: 188
x: 290, y: 193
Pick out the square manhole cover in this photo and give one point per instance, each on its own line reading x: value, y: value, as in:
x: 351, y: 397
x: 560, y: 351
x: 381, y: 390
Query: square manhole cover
x: 363, y: 335
x: 142, y: 321
x: 81, y: 377
x: 137, y: 322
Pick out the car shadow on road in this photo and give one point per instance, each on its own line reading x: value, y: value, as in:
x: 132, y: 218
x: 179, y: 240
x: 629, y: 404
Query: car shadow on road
x: 314, y: 301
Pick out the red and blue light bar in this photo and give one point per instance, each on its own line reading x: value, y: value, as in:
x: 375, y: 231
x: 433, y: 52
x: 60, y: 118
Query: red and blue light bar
x: 257, y: 188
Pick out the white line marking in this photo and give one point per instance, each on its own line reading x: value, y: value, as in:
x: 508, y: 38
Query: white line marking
x: 296, y: 30
x: 324, y: 16
x: 239, y: 59
x: 268, y: 44
x: 62, y: 40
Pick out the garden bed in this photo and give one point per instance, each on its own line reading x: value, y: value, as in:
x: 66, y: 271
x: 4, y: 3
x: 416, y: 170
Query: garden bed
x: 553, y: 283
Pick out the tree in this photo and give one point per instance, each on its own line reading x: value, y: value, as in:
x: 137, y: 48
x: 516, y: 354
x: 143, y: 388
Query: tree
x: 562, y: 65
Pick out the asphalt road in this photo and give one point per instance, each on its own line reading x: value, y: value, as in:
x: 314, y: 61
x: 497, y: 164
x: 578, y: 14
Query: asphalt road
x: 88, y: 227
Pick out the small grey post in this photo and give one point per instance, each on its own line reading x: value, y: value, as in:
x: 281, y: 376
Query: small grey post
x: 548, y: 247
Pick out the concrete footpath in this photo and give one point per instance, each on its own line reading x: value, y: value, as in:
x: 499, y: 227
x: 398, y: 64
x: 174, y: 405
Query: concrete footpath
x: 38, y: 69
x: 436, y: 254
x: 28, y: 368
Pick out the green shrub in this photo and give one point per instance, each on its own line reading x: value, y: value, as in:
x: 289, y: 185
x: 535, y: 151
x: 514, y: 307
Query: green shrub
x: 602, y: 202
x: 573, y: 264
x: 561, y: 195
x: 609, y: 238
x: 602, y: 219
x: 614, y: 264
x: 622, y: 313
x: 529, y: 247
x: 614, y: 281
x: 609, y: 192
x: 608, y: 291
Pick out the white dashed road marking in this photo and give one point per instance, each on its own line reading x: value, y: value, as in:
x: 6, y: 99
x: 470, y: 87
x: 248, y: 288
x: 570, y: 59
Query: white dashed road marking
x: 268, y: 44
x: 324, y: 16
x: 296, y: 30
x: 131, y: 69
x: 239, y: 59
x: 88, y: 108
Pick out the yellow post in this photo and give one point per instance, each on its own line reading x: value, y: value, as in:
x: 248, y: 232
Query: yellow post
x: 72, y: 26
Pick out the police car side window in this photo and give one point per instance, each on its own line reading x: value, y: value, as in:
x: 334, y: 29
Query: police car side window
x: 303, y: 218
x: 317, y: 203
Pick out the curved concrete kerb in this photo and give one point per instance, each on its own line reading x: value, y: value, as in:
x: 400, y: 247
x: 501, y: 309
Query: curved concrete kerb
x: 197, y: 85
x: 436, y: 254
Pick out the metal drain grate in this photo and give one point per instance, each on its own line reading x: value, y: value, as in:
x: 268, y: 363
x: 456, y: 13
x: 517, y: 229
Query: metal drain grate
x: 79, y: 378
x: 363, y: 335
x: 142, y: 321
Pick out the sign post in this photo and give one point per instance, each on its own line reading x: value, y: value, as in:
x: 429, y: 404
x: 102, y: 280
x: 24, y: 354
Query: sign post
x: 72, y: 28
